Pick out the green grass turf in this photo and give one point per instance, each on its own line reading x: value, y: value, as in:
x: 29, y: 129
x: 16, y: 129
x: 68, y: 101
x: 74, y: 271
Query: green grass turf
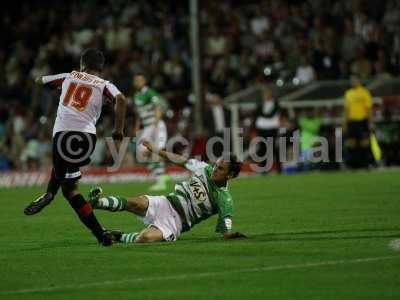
x: 296, y: 226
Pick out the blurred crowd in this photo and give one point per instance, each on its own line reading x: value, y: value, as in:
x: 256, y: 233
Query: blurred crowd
x: 243, y: 43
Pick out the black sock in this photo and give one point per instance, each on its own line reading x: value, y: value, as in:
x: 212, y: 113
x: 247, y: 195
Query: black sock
x: 86, y: 215
x: 53, y: 185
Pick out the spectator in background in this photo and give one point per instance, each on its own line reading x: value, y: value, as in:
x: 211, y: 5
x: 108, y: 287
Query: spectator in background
x: 3, y: 121
x: 361, y: 66
x: 217, y: 43
x: 344, y: 72
x: 380, y: 70
x: 381, y: 66
x: 174, y: 69
x: 305, y: 71
x: 240, y: 39
x: 36, y: 153
x: 216, y: 119
x: 351, y: 41
x: 5, y: 163
x: 327, y: 62
x: 358, y: 124
x: 259, y: 23
x: 266, y: 123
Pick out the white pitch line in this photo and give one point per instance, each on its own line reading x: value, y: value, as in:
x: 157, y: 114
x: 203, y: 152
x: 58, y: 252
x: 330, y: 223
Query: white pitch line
x: 198, y: 275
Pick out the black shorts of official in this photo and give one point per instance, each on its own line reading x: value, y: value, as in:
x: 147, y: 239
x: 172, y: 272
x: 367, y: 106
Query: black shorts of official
x: 71, y: 150
x: 358, y: 130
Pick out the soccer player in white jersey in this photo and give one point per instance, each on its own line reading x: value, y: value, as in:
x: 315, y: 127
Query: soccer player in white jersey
x: 74, y: 134
x: 194, y: 200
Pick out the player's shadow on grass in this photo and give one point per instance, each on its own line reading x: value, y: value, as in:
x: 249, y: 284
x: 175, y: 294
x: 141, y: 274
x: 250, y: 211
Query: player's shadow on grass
x: 53, y: 244
x: 344, y: 234
x: 306, y: 235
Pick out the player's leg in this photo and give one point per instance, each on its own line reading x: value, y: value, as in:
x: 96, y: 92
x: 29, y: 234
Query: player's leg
x: 37, y: 205
x: 158, y: 137
x: 150, y: 234
x: 53, y: 186
x: 157, y: 165
x: 136, y: 205
x: 351, y: 145
x: 165, y: 223
x: 142, y: 154
x: 84, y: 210
x: 365, y: 145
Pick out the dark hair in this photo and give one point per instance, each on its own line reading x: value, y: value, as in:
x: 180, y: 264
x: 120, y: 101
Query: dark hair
x: 92, y: 59
x: 139, y: 73
x: 234, y: 164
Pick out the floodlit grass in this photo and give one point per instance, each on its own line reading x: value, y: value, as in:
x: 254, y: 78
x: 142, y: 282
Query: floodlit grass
x: 317, y: 236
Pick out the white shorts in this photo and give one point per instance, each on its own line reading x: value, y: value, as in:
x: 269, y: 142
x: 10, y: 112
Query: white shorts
x: 162, y: 215
x: 157, y: 135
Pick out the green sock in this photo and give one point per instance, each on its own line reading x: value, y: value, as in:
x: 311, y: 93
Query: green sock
x: 112, y: 203
x: 129, y: 237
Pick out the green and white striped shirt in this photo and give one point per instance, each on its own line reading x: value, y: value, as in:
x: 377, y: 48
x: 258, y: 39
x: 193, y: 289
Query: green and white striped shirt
x: 146, y: 101
x: 198, y: 198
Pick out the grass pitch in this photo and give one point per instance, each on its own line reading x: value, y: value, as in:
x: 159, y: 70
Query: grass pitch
x: 317, y: 236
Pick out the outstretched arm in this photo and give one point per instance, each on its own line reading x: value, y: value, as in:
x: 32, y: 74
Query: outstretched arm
x: 172, y: 157
x: 53, y: 80
x: 224, y: 226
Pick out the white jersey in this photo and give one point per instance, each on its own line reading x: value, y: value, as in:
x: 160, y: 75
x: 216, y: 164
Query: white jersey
x: 80, y: 101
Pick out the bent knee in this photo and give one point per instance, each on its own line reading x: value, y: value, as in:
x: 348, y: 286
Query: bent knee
x: 145, y: 237
x: 150, y: 235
